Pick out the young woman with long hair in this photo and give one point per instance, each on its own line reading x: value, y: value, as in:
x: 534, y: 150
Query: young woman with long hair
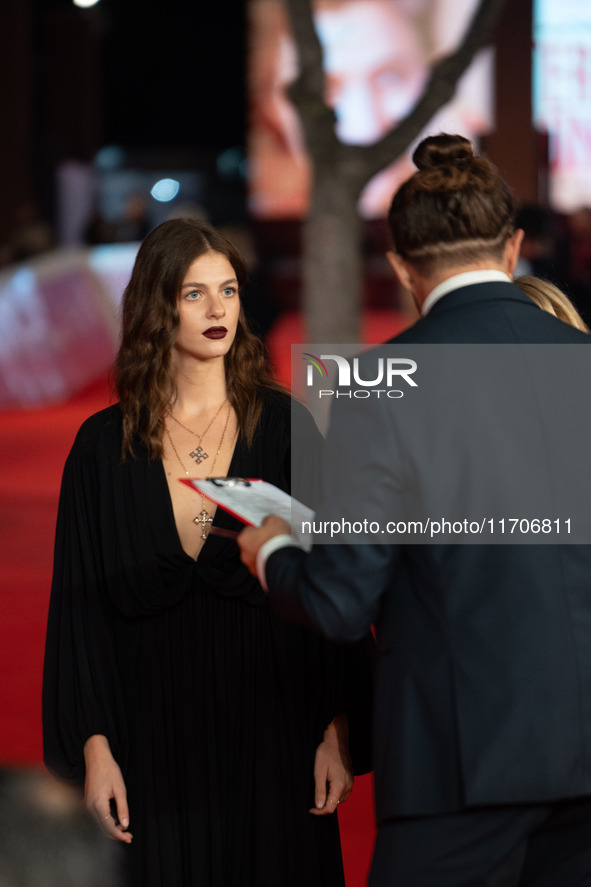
x: 210, y: 735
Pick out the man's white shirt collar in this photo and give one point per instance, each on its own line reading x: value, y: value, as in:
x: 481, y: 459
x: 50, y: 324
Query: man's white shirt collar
x: 467, y: 278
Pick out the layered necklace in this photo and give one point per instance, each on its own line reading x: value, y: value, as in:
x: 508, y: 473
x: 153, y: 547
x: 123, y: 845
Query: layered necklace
x: 199, y: 454
x: 203, y: 519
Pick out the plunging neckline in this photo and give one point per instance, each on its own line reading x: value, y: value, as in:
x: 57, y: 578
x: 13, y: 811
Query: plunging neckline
x: 176, y: 534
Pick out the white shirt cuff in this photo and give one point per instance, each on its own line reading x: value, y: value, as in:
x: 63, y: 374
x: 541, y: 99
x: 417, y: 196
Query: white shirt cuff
x: 267, y: 549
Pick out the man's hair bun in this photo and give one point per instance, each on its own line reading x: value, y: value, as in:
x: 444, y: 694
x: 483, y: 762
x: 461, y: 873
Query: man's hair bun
x: 454, y: 211
x: 442, y: 150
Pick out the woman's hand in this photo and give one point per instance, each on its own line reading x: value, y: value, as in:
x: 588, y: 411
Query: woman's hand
x: 333, y: 773
x: 104, y: 783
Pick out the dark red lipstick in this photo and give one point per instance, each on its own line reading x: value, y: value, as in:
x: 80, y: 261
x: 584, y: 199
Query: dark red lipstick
x: 216, y: 332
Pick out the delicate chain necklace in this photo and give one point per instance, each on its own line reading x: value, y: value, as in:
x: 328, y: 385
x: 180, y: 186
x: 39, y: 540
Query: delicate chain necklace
x: 203, y: 519
x: 199, y: 453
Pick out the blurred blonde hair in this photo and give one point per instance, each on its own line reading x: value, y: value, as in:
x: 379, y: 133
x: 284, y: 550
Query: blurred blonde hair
x: 549, y: 298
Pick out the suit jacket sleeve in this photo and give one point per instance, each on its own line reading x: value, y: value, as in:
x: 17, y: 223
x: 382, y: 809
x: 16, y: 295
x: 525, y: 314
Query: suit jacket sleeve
x: 355, y: 661
x: 336, y: 588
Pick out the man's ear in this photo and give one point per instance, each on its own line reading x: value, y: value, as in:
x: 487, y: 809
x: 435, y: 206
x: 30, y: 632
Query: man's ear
x: 400, y: 269
x: 512, y: 249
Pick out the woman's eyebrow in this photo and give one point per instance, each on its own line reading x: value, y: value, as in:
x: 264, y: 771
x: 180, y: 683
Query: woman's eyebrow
x: 225, y: 283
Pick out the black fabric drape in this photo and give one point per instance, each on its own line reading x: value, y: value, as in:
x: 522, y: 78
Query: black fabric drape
x: 212, y: 704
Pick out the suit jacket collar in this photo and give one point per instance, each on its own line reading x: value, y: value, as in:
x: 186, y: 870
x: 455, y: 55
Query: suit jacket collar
x: 477, y: 293
x: 464, y: 278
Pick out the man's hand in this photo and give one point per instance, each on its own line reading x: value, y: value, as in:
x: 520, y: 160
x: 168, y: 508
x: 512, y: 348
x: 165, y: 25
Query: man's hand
x: 251, y: 539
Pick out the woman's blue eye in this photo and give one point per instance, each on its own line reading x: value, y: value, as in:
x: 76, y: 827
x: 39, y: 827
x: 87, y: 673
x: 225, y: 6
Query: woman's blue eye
x: 230, y: 291
x: 194, y: 294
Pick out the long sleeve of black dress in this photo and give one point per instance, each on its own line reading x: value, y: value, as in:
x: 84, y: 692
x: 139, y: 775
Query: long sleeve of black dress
x: 82, y: 692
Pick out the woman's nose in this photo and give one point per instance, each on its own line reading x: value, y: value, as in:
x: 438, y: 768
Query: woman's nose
x: 217, y: 308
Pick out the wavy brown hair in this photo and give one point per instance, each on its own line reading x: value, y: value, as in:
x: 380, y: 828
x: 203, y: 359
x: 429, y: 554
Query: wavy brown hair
x: 455, y: 210
x: 143, y: 373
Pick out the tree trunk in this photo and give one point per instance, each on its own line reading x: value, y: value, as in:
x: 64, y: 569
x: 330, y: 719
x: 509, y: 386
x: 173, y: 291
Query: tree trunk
x: 332, y: 275
x: 332, y: 279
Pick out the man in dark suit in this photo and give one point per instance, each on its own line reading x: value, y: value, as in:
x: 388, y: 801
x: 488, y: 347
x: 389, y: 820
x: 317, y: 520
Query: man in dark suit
x: 483, y: 697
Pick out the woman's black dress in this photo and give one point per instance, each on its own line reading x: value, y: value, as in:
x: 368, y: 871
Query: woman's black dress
x: 212, y: 705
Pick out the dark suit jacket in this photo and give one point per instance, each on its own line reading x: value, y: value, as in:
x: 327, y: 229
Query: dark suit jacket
x: 484, y: 651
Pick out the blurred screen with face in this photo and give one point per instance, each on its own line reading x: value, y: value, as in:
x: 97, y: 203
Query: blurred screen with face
x: 562, y: 96
x: 377, y: 59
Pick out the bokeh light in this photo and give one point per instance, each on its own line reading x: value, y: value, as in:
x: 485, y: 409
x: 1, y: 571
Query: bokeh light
x: 165, y: 190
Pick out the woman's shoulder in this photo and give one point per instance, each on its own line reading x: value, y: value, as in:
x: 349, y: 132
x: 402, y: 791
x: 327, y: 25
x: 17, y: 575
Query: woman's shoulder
x: 280, y: 408
x: 276, y: 398
x: 282, y: 402
x: 102, y: 428
x: 286, y: 424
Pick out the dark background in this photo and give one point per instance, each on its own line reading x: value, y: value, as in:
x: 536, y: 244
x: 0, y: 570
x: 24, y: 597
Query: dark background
x: 164, y: 80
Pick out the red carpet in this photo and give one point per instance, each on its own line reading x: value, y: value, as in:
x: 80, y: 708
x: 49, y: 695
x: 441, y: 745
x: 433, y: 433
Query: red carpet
x: 33, y: 447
